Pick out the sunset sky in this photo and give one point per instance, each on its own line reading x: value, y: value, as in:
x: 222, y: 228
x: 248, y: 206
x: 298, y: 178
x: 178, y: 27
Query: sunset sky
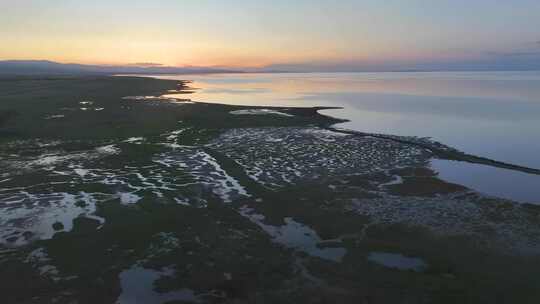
x: 233, y: 33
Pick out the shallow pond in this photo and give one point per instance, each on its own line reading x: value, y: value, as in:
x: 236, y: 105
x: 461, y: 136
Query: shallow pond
x: 517, y: 186
x: 397, y: 261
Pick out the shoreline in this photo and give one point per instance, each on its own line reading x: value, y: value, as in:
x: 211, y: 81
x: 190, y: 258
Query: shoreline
x: 150, y: 189
x: 440, y: 150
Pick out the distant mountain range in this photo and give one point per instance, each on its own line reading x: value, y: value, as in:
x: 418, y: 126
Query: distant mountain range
x: 45, y: 67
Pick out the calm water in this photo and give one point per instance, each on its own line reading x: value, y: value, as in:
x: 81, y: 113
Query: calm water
x: 519, y: 186
x: 398, y: 261
x: 490, y: 114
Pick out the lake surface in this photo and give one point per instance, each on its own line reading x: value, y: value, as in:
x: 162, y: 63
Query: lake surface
x: 490, y: 114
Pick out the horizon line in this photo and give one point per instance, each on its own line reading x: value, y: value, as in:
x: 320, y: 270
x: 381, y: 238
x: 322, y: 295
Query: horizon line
x: 156, y: 68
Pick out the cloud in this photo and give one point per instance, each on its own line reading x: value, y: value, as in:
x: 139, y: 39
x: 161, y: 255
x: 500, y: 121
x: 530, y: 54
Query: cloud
x: 515, y: 54
x: 146, y: 64
x: 510, y: 60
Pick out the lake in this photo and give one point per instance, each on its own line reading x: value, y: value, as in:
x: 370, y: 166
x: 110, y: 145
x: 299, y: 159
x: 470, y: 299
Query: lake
x: 489, y: 114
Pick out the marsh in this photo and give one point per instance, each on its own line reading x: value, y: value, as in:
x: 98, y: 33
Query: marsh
x: 121, y: 188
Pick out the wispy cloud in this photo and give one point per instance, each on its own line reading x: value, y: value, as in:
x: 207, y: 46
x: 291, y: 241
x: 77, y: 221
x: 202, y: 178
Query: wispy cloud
x: 515, y: 54
x: 513, y: 59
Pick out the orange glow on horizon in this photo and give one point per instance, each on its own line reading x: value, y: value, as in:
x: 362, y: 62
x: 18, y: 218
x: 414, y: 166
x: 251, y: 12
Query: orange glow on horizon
x: 137, y: 47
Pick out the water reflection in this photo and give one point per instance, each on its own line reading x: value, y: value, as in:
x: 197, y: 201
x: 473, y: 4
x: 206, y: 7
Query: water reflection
x: 518, y: 186
x: 397, y: 261
x: 489, y: 114
x: 492, y: 114
x: 138, y: 287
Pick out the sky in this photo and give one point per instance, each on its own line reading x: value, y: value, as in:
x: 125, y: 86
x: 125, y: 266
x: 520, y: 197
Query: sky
x: 278, y: 34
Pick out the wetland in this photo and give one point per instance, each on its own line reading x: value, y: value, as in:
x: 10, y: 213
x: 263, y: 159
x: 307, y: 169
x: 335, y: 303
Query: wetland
x: 130, y: 190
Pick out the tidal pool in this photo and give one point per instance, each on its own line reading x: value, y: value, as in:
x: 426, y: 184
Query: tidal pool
x: 296, y: 236
x: 137, y: 285
x: 398, y: 261
x: 503, y: 183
